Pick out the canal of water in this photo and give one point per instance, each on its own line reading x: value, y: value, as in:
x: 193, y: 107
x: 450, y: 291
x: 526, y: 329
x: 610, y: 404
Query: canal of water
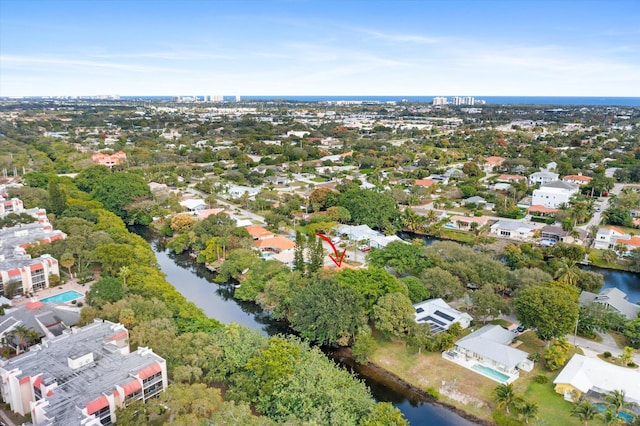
x: 196, y: 283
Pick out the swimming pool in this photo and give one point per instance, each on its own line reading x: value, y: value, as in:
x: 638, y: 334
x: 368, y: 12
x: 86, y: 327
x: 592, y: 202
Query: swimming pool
x: 626, y: 417
x: 491, y: 373
x: 64, y: 297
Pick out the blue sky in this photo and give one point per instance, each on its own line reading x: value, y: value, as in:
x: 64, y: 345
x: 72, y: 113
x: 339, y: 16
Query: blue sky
x: 298, y: 47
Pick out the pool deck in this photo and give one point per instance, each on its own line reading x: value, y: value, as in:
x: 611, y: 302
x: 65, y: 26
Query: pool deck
x: 468, y: 364
x: 72, y: 284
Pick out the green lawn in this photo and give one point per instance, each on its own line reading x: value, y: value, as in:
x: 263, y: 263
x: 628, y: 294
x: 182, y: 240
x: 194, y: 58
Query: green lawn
x: 474, y: 392
x: 553, y: 409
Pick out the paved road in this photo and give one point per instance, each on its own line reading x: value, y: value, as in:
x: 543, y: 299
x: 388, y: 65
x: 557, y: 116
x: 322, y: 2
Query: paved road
x: 592, y: 349
x: 254, y: 217
x: 597, y: 216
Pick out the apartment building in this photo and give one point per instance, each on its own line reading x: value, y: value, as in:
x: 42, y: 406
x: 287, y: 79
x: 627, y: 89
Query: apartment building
x: 81, y: 376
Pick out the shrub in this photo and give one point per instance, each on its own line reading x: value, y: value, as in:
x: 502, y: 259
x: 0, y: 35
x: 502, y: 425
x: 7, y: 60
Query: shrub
x: 73, y: 302
x: 535, y: 356
x: 632, y: 365
x: 607, y: 354
x: 541, y: 378
x: 433, y: 392
x: 79, y: 304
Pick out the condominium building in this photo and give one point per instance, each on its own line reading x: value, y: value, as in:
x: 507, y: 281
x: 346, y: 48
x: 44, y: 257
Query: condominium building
x: 81, y: 376
x: 17, y: 269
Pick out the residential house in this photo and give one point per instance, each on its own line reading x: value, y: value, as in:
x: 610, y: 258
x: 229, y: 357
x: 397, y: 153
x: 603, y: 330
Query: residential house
x: 193, y: 205
x: 612, y: 298
x: 443, y: 179
x: 477, y: 200
x: 109, y: 160
x: 381, y: 241
x: 356, y: 233
x: 512, y: 229
x: 439, y: 315
x: 554, y: 194
x: 488, y: 349
x: 463, y: 223
x: 511, y: 178
x: 543, y: 177
x: 259, y: 233
x: 557, y: 234
x: 492, y: 163
x: 577, y: 179
x: 540, y: 210
x: 610, y: 237
x: 81, y: 376
x: 594, y: 377
x: 276, y: 244
x: 425, y: 182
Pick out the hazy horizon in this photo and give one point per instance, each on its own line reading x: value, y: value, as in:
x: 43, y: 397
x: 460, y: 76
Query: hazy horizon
x: 320, y: 48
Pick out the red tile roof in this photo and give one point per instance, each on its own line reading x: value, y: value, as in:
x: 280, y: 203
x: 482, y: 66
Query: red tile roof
x: 278, y: 242
x: 131, y: 387
x: 149, y: 371
x: 97, y: 404
x: 425, y: 182
x: 257, y: 231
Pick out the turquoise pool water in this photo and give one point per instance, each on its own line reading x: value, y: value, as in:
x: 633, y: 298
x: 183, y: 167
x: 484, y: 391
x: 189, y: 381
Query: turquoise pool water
x: 501, y: 377
x: 626, y: 417
x: 67, y: 296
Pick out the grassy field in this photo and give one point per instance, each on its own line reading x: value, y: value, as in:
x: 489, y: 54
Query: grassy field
x: 472, y: 392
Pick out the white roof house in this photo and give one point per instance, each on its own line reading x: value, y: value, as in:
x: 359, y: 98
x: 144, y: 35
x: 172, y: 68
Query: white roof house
x: 357, y: 233
x: 490, y: 345
x: 553, y: 194
x: 439, y: 315
x: 512, y: 229
x: 584, y: 375
x: 613, y: 298
x: 543, y: 177
x: 194, y: 204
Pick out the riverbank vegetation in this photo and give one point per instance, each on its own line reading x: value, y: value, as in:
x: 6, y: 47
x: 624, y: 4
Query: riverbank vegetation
x: 280, y: 378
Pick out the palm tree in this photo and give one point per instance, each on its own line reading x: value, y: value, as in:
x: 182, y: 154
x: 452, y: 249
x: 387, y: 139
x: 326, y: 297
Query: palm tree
x: 124, y: 273
x: 431, y: 216
x: 527, y: 411
x: 505, y: 396
x: 584, y: 410
x: 616, y: 400
x: 25, y: 337
x: 567, y: 273
x: 609, y: 417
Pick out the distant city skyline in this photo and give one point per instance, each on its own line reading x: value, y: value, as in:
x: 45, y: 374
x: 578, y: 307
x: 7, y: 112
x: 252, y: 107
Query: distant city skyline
x: 337, y: 48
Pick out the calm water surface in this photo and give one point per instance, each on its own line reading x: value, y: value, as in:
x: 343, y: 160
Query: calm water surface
x: 196, y: 284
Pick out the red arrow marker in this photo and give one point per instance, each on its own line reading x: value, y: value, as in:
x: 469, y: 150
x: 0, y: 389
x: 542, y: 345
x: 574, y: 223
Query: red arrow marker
x: 338, y: 257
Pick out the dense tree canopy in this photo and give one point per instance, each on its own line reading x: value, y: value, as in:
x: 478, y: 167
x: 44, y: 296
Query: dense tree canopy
x: 551, y: 310
x: 118, y: 190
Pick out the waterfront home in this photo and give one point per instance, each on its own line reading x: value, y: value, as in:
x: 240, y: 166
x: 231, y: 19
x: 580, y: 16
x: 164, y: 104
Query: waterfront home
x: 439, y: 315
x: 277, y: 244
x: 594, y: 377
x: 463, y: 223
x: 512, y: 229
x: 614, y: 238
x: 259, y: 233
x: 614, y: 299
x: 487, y: 351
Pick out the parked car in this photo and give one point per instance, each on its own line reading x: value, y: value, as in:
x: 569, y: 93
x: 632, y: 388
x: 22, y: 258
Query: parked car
x: 521, y: 328
x: 364, y: 248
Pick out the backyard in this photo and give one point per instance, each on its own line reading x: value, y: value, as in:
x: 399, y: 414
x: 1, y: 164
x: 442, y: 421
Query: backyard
x: 472, y: 392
